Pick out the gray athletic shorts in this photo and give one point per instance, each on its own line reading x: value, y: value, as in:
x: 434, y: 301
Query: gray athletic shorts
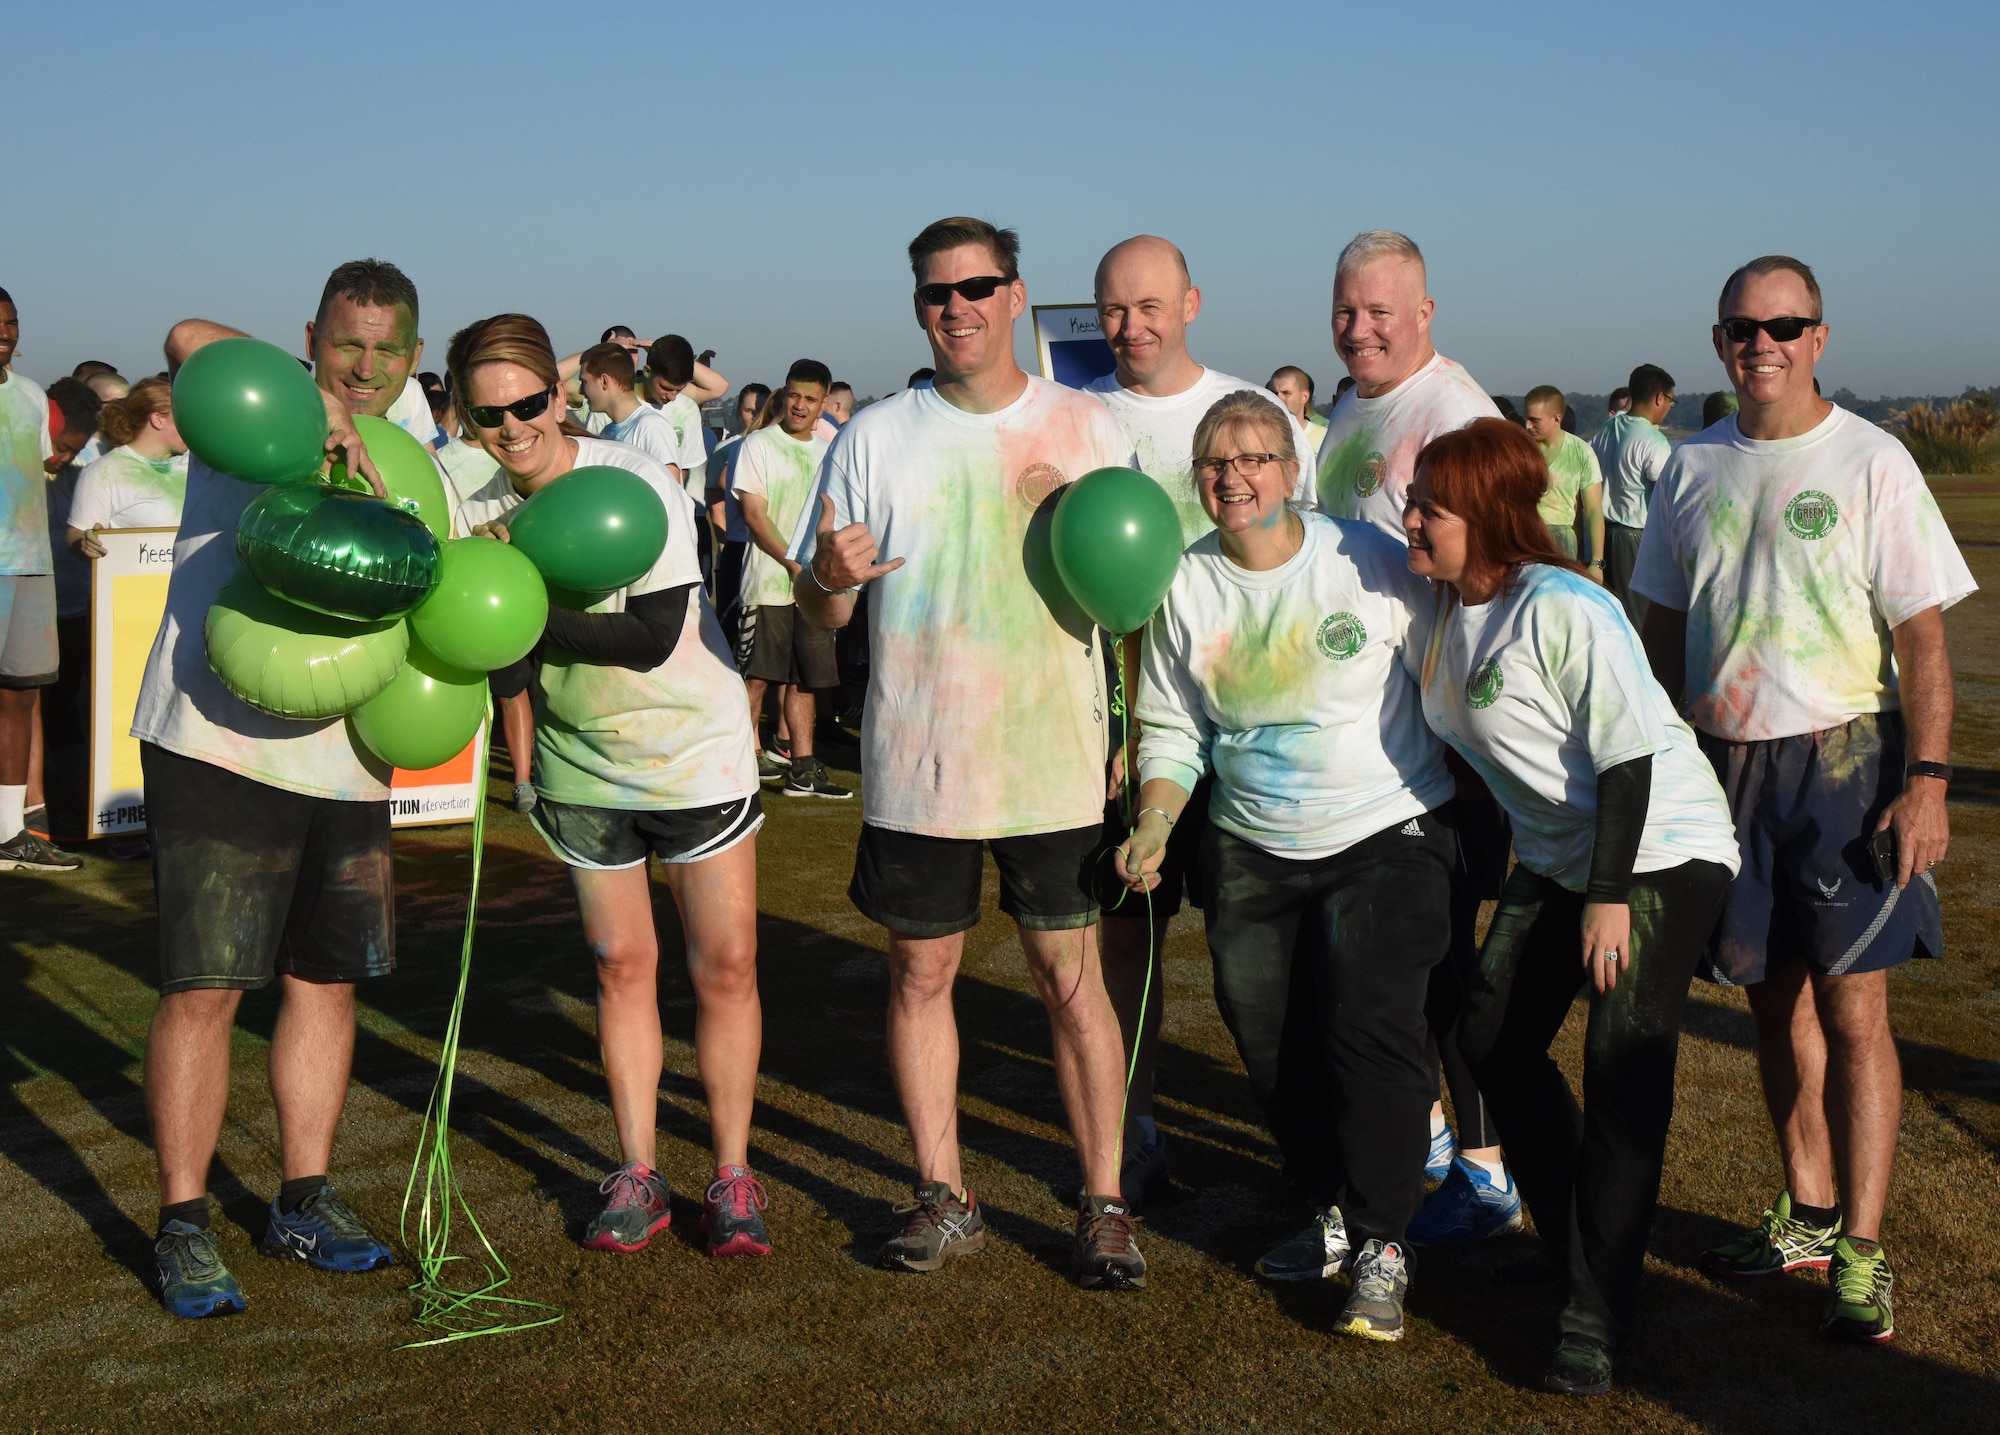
x: 28, y: 631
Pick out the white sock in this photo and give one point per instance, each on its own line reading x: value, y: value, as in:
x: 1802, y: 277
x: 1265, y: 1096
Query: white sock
x: 1496, y: 1169
x: 1437, y: 1124
x: 13, y: 811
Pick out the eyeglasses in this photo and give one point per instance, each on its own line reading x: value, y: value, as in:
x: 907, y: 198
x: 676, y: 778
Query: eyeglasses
x: 491, y: 416
x: 936, y: 296
x: 1742, y: 331
x: 1247, y: 465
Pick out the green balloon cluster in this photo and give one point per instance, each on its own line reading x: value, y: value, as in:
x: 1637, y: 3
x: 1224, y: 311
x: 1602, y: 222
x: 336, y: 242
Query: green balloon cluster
x: 425, y: 716
x: 294, y: 663
x: 593, y: 530
x: 1117, y: 545
x: 408, y: 472
x: 246, y: 408
x: 488, y: 609
x: 337, y: 552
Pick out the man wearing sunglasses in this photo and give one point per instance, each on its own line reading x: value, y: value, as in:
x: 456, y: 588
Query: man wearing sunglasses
x: 271, y: 852
x: 985, y: 724
x: 1798, y: 569
x: 1631, y: 451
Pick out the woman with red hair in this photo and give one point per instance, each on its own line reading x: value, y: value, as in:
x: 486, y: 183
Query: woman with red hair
x: 1534, y: 675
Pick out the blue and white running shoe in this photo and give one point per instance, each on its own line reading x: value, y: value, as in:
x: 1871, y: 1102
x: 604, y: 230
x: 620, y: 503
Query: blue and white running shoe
x: 326, y: 1234
x: 1444, y: 1149
x: 192, y: 1278
x: 1469, y: 1206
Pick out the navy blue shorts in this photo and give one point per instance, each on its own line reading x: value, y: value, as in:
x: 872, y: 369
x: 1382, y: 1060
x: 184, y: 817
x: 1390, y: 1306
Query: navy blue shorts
x: 1805, y: 808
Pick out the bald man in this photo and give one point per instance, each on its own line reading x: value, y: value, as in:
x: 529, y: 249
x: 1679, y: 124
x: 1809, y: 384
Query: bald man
x: 1158, y: 393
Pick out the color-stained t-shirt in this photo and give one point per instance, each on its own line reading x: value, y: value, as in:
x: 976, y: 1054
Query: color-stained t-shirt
x: 468, y: 469
x: 783, y: 471
x: 1369, y: 454
x: 25, y: 445
x: 1794, y: 559
x: 1545, y: 686
x: 184, y: 707
x: 986, y: 700
x: 1572, y: 469
x: 1315, y: 436
x: 1630, y: 451
x: 411, y: 412
x: 684, y: 415
x: 1297, y: 686
x: 125, y: 490
x: 646, y: 429
x: 1162, y: 433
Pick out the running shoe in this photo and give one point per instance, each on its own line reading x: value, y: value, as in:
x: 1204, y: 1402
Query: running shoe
x: 1374, y: 1309
x: 37, y: 821
x: 25, y: 852
x: 1468, y: 1207
x: 808, y: 779
x: 524, y: 797
x: 193, y: 1280
x: 779, y: 752
x: 1776, y: 1244
x: 1105, y: 1252
x: 730, y: 1222
x: 1861, y: 1281
x: 639, y: 1208
x: 936, y: 1226
x: 1144, y: 1172
x: 1580, y: 1366
x: 1444, y: 1148
x: 1318, y: 1252
x: 769, y: 771
x: 324, y: 1233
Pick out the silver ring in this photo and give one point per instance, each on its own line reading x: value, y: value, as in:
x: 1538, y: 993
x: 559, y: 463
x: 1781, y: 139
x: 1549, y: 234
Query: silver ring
x: 1609, y: 956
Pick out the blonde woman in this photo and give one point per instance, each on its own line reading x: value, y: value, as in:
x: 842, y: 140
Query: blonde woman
x: 141, y: 481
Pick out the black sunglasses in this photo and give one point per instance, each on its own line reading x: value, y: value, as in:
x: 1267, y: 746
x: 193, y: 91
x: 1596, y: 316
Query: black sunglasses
x: 490, y: 416
x: 1742, y: 331
x: 937, y: 296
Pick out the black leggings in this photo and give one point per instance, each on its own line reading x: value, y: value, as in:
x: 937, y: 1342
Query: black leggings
x: 1484, y: 839
x: 1590, y: 1174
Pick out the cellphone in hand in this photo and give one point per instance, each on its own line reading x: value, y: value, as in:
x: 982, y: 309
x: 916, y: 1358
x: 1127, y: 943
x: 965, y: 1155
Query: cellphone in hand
x: 1882, y: 852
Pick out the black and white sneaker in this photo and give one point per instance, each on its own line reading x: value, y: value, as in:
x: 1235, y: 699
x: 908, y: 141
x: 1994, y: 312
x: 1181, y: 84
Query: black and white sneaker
x: 1374, y: 1309
x: 25, y: 852
x: 808, y: 779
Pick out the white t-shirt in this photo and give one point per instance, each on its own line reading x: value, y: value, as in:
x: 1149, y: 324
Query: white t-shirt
x: 675, y: 737
x: 986, y: 702
x: 1369, y: 454
x: 124, y: 490
x: 1298, y: 687
x: 1794, y: 559
x: 1162, y: 432
x: 1631, y: 452
x: 25, y: 445
x: 1545, y: 686
x: 468, y: 469
x: 647, y: 430
x: 684, y: 415
x: 411, y: 412
x: 783, y: 471
x: 184, y: 707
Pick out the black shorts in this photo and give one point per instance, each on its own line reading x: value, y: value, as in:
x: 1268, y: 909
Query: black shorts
x: 776, y: 643
x: 919, y: 886
x: 1180, y: 865
x: 606, y: 839
x: 253, y: 880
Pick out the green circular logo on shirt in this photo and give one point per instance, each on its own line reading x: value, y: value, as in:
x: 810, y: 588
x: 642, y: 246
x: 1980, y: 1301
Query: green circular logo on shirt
x: 1341, y: 636
x: 1811, y: 514
x: 1484, y: 684
x: 1369, y: 479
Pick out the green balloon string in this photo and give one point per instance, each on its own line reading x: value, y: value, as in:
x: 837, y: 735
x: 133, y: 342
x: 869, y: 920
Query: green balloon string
x: 456, y: 1314
x: 1118, y: 709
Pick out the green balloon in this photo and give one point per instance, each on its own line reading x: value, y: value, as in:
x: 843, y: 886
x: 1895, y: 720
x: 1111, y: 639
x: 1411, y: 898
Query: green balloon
x: 407, y: 470
x: 426, y: 715
x: 246, y: 408
x: 1117, y: 542
x: 294, y: 663
x: 488, y: 609
x: 593, y: 530
x: 337, y: 552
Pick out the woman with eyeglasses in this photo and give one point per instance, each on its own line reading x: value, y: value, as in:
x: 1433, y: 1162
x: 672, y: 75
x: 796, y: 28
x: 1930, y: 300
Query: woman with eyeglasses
x: 1624, y: 848
x: 642, y: 749
x: 1284, y: 661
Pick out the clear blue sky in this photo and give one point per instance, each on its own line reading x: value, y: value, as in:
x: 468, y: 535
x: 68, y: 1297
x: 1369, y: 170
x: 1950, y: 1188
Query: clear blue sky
x: 1581, y: 177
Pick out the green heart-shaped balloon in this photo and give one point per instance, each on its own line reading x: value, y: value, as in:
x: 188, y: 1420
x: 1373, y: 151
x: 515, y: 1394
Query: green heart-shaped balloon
x: 593, y: 530
x: 248, y: 409
x: 426, y: 715
x: 292, y: 662
x: 408, y: 473
x: 1117, y: 545
x: 337, y: 552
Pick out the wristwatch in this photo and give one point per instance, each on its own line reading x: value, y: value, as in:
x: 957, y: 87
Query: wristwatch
x: 1940, y: 770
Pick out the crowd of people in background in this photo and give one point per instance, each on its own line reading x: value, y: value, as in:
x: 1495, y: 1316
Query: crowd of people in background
x: 1663, y: 709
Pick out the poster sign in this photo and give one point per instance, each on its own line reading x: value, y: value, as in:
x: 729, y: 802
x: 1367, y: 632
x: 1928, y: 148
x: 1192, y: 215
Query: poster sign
x: 128, y: 597
x: 1070, y: 344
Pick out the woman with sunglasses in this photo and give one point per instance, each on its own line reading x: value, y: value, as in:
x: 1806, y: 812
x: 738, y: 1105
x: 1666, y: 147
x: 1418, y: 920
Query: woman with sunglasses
x: 1284, y: 660
x: 642, y: 749
x: 1625, y: 849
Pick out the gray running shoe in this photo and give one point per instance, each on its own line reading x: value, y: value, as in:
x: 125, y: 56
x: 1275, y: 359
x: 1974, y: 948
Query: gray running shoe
x: 1105, y: 1252
x: 808, y: 779
x: 1374, y: 1309
x: 28, y: 853
x: 769, y: 771
x: 1144, y: 1172
x: 639, y: 1207
x: 936, y: 1227
x: 524, y: 797
x: 1319, y: 1252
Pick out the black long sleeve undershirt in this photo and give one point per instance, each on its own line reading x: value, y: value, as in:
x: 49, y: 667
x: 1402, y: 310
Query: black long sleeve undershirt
x: 1624, y: 793
x: 640, y: 638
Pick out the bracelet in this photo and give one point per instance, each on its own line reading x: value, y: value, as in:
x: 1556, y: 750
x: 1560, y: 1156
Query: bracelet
x: 1161, y: 810
x: 833, y: 592
x: 1940, y: 770
x: 1595, y: 563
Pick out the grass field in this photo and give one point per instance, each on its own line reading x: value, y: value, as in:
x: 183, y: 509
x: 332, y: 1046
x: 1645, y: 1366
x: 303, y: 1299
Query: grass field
x: 814, y: 1338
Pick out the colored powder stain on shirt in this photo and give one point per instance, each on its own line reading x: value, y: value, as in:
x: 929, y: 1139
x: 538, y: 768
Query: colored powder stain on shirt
x: 24, y: 501
x: 1349, y: 470
x: 1572, y: 469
